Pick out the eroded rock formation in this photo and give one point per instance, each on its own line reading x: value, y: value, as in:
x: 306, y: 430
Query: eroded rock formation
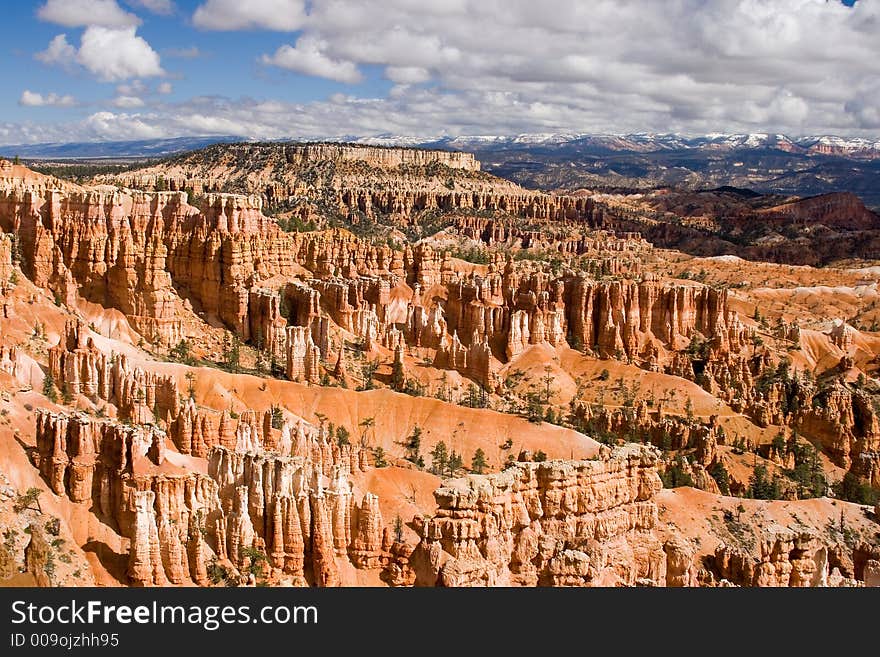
x: 79, y: 366
x: 556, y: 523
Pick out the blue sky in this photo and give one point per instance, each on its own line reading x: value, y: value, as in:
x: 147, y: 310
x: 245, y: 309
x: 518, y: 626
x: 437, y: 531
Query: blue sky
x: 287, y: 68
x: 227, y: 65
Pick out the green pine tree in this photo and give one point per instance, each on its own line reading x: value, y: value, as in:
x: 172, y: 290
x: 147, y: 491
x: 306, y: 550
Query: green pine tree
x: 478, y: 462
x: 439, y: 458
x: 49, y: 388
x: 455, y: 463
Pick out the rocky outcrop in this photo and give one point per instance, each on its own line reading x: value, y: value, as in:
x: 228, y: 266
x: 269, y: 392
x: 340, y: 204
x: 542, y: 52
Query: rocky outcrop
x: 9, y: 361
x: 120, y: 472
x: 842, y: 335
x: 297, y: 504
x: 369, y: 545
x: 90, y: 461
x: 610, y: 253
x: 153, y: 256
x: 781, y: 558
x: 166, y: 264
x: 563, y: 523
x: 79, y: 366
x: 266, y: 325
x: 680, y: 568
x: 303, y: 356
x: 637, y: 422
x: 196, y: 430
x: 845, y: 422
x: 172, y: 521
x: 474, y: 361
x: 301, y: 507
x: 36, y: 550
x: 6, y: 245
x: 620, y: 318
x: 145, y: 556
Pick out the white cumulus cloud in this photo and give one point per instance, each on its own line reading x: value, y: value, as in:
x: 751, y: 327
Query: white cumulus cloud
x: 606, y: 65
x: 308, y: 57
x: 127, y: 102
x: 111, y: 54
x: 407, y: 74
x: 35, y: 99
x: 58, y: 53
x: 280, y: 15
x: 117, y: 54
x: 112, y: 126
x: 79, y: 13
x: 514, y: 66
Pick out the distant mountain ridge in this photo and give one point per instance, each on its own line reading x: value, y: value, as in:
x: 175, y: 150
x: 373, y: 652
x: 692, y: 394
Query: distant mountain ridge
x: 651, y: 142
x: 859, y: 147
x: 764, y: 162
x: 140, y: 148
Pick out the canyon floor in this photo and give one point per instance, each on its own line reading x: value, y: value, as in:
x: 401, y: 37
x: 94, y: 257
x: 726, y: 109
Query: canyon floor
x: 339, y: 365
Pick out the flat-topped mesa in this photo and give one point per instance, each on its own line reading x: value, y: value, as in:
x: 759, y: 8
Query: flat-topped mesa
x: 79, y: 366
x: 302, y: 173
x: 376, y: 156
x: 356, y: 181
x: 835, y: 210
x: 552, y: 523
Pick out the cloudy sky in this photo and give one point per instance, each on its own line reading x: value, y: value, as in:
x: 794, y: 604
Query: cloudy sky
x: 142, y: 69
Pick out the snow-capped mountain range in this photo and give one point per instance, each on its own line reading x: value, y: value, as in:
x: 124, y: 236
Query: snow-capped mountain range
x: 857, y: 147
x: 650, y: 142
